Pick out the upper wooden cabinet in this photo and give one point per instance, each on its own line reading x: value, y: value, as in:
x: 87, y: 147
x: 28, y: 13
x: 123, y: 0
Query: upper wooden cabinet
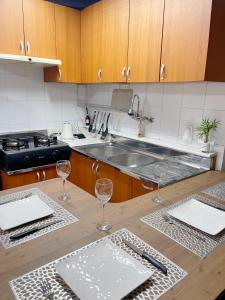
x: 145, y: 37
x: 193, y: 44
x: 39, y: 28
x: 11, y: 27
x: 27, y: 28
x: 185, y: 39
x: 91, y: 42
x: 114, y: 40
x: 68, y: 37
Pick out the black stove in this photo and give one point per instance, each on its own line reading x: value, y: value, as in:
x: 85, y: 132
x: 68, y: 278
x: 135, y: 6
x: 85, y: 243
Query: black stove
x: 27, y: 150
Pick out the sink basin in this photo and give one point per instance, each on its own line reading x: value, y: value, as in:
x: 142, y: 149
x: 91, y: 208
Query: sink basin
x: 165, y: 151
x: 104, y: 150
x: 131, y: 160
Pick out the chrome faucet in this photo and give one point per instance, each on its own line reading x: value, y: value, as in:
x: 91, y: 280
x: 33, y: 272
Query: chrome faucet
x: 131, y: 111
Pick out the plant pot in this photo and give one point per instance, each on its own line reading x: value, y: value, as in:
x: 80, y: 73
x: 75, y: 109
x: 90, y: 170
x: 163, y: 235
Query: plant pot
x: 206, y: 147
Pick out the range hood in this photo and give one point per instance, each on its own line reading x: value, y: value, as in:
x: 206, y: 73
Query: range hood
x: 36, y: 61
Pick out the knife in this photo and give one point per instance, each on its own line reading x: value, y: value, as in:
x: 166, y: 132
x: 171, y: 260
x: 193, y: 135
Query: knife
x: 147, y: 256
x: 92, y: 122
x: 32, y: 230
x: 212, y: 204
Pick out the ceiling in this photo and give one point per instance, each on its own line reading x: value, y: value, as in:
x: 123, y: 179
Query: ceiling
x: 75, y: 3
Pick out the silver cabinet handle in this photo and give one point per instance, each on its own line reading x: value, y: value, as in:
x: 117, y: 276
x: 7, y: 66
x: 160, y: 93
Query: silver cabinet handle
x: 97, y: 169
x: 162, y: 72
x: 146, y: 187
x: 60, y: 74
x: 123, y: 73
x: 128, y: 73
x: 38, y: 176
x: 28, y: 47
x: 100, y: 74
x: 93, y: 166
x: 22, y: 47
x: 44, y: 175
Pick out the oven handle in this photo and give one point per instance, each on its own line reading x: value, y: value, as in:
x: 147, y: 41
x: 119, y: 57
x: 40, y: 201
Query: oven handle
x: 39, y: 168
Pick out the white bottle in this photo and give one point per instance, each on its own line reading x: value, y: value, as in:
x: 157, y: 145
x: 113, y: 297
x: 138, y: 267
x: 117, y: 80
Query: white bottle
x: 188, y: 134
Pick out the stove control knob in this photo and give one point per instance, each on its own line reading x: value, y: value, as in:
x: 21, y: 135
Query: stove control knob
x: 26, y: 159
x: 55, y: 154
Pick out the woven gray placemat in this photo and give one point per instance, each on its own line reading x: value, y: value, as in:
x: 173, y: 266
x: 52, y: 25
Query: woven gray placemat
x: 194, y: 240
x: 59, y: 214
x: 28, y: 286
x: 217, y: 190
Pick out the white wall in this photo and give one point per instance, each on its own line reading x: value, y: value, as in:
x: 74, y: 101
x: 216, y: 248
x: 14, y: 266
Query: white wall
x: 27, y: 103
x: 172, y: 105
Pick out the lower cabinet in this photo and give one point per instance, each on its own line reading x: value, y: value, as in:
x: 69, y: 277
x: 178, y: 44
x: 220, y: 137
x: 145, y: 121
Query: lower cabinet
x: 82, y: 172
x: 85, y: 172
x: 139, y: 187
x: 12, y: 181
x: 121, y: 181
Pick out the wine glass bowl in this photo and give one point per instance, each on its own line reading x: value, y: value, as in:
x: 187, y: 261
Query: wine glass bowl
x: 104, y: 191
x: 63, y: 169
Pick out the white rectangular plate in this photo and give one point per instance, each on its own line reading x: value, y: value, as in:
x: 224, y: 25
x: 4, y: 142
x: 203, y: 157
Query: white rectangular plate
x: 20, y: 212
x: 199, y: 215
x: 102, y: 271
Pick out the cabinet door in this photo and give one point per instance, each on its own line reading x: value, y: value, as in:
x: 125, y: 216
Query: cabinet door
x: 121, y: 182
x: 12, y: 181
x: 11, y: 27
x: 91, y: 38
x: 48, y: 173
x: 185, y: 39
x: 81, y: 173
x: 138, y: 188
x: 145, y: 39
x: 39, y: 28
x: 114, y: 40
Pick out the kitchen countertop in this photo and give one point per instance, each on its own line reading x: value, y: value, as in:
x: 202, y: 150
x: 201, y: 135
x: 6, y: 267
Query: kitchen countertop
x: 206, y: 276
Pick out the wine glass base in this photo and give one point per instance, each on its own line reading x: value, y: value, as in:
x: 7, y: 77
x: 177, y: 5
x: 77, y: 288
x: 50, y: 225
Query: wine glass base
x: 65, y: 197
x: 104, y: 226
x: 157, y: 199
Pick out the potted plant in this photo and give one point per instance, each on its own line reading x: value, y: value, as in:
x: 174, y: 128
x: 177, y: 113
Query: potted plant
x: 204, y: 130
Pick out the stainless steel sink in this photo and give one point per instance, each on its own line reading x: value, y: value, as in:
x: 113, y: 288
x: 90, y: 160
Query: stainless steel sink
x: 166, y: 151
x: 104, y: 150
x: 131, y: 160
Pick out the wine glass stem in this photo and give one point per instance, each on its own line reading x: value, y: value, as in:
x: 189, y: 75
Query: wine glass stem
x: 103, y: 213
x: 64, y: 190
x: 158, y: 190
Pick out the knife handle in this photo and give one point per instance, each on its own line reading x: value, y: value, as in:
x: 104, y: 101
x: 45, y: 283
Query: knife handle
x: 155, y: 262
x: 23, y: 234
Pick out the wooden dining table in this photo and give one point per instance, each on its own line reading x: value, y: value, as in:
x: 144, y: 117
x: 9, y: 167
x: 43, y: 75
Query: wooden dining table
x: 206, y: 276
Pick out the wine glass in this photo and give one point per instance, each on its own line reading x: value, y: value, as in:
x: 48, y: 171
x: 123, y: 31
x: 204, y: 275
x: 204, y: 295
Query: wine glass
x: 103, y: 191
x: 63, y: 169
x: 160, y: 172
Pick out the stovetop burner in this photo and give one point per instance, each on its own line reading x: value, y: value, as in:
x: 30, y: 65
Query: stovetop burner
x: 15, y: 144
x: 44, y: 141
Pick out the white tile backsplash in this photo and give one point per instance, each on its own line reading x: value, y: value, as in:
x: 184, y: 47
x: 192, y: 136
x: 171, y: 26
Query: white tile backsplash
x: 28, y: 103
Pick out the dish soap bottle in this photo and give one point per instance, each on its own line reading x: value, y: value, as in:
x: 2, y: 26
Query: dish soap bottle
x: 141, y: 125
